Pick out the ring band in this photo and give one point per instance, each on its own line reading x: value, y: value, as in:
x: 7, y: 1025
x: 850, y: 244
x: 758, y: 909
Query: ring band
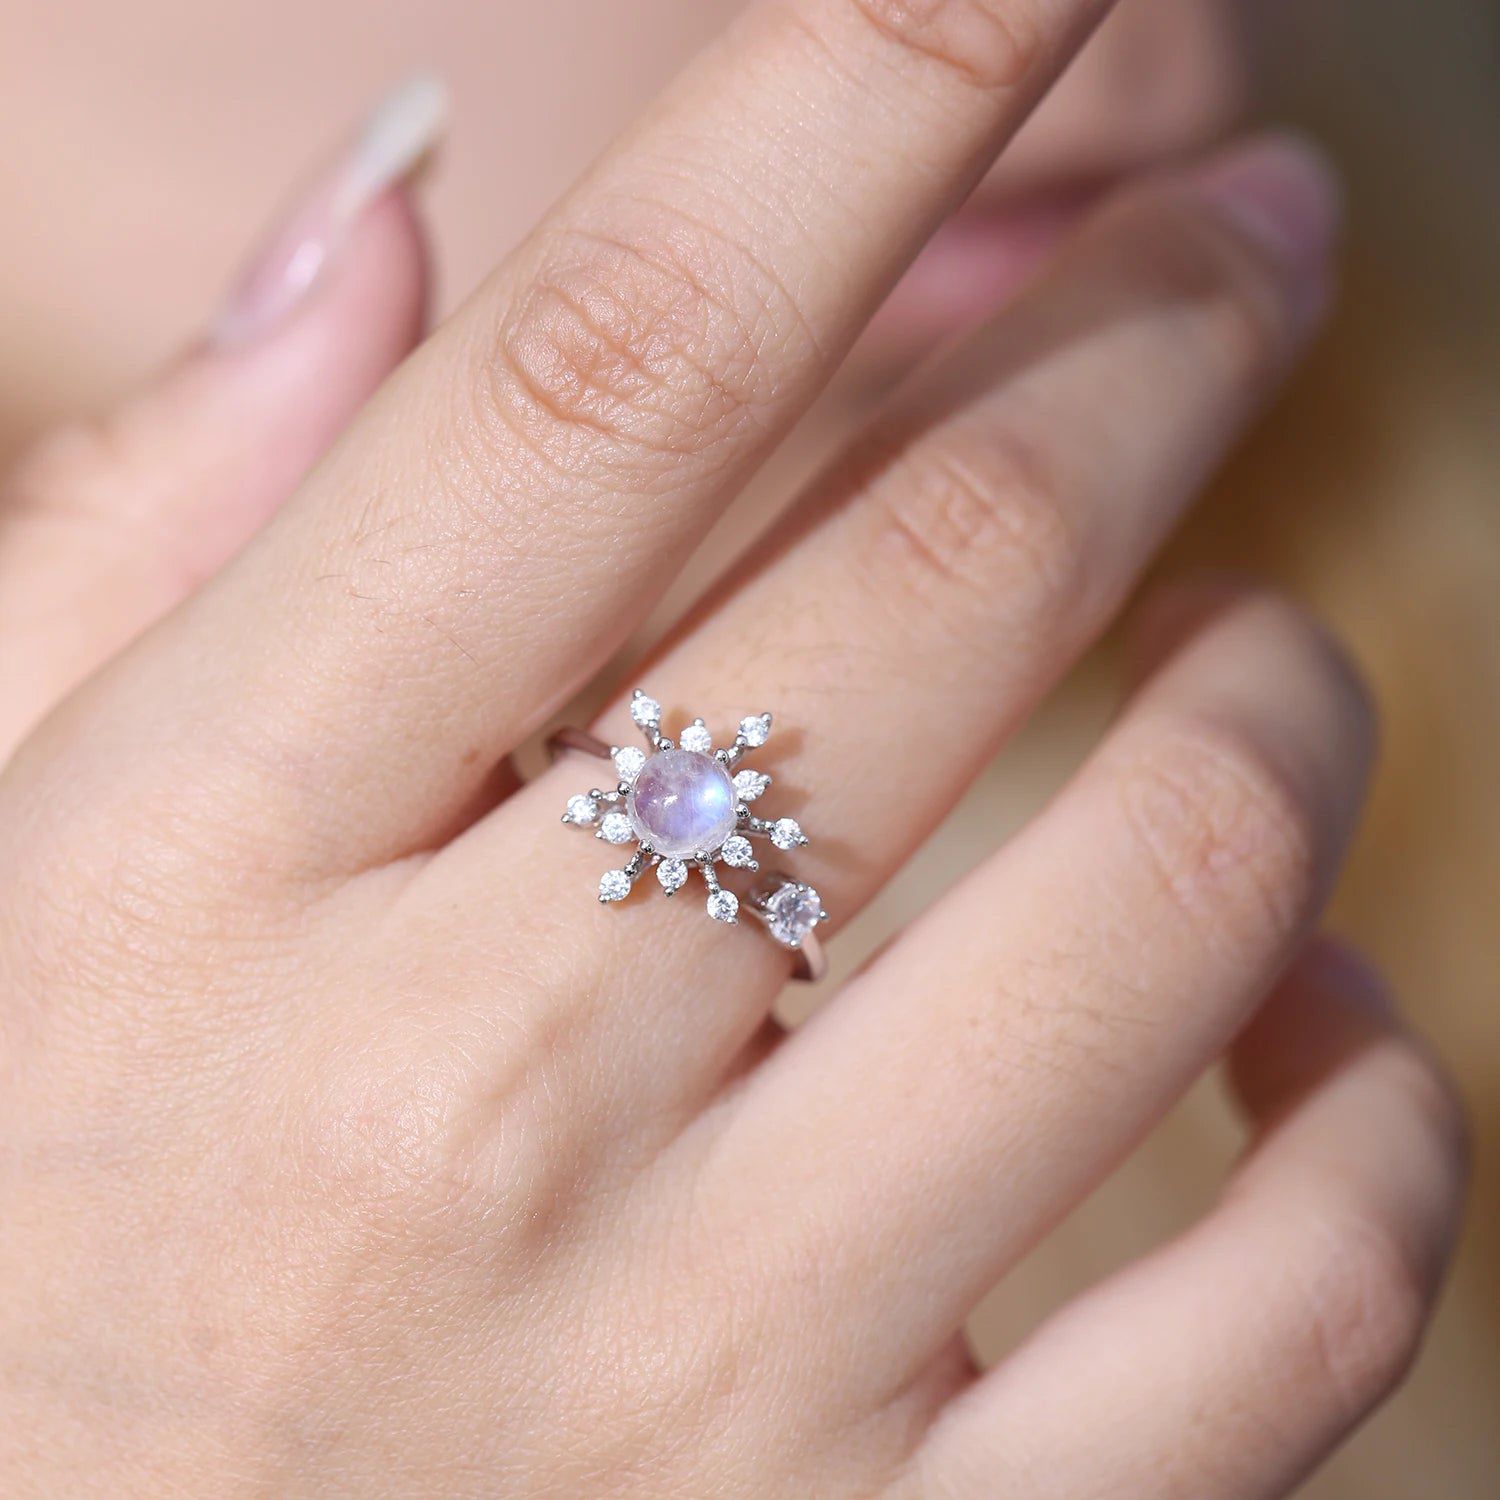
x: 686, y: 806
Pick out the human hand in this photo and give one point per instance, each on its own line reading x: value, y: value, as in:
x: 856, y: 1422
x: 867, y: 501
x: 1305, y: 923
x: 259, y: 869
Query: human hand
x: 353, y: 1148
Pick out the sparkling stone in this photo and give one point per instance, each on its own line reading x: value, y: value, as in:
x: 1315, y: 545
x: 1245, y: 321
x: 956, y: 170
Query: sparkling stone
x: 671, y: 873
x: 756, y: 729
x: 737, y: 852
x: 748, y: 785
x: 696, y: 737
x: 645, y: 711
x: 614, y: 885
x: 682, y: 803
x: 723, y: 906
x: 628, y: 761
x: 616, y: 829
x: 792, y: 912
x: 582, y: 809
x: 785, y: 833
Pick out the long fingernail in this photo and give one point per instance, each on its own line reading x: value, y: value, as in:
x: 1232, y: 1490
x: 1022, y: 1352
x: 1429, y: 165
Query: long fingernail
x: 1283, y: 193
x: 393, y: 141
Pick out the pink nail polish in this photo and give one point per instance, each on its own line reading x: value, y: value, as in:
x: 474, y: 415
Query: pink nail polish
x: 1284, y: 194
x: 396, y: 136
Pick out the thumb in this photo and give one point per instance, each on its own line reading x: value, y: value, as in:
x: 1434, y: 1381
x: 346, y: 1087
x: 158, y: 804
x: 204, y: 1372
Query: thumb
x: 107, y: 523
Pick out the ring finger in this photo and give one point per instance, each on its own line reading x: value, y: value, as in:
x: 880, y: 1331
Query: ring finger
x: 943, y: 579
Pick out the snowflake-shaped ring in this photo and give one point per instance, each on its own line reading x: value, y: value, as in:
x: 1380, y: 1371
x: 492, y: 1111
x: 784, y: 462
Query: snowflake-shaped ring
x: 686, y: 806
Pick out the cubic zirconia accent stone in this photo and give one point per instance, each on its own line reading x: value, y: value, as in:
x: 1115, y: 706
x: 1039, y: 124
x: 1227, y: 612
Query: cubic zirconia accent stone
x: 785, y: 833
x: 682, y: 803
x: 756, y: 729
x: 748, y: 785
x: 697, y: 738
x: 628, y: 761
x: 737, y: 852
x: 724, y: 906
x: 645, y: 711
x: 583, y: 809
x: 616, y: 829
x: 672, y: 874
x: 792, y: 912
x: 614, y: 885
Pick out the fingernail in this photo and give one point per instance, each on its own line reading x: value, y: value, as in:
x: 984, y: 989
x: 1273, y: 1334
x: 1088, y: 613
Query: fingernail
x: 393, y: 141
x: 1283, y: 193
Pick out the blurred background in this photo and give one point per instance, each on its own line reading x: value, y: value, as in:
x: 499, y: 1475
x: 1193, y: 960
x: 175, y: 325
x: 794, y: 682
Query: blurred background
x: 148, y: 145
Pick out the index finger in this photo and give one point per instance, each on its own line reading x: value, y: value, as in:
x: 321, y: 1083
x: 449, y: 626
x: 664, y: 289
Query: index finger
x: 521, y: 490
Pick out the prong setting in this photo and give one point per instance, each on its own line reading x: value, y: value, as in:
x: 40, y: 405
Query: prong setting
x: 665, y: 793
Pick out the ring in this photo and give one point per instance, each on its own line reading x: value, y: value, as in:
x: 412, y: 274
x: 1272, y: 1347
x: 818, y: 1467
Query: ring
x: 686, y: 806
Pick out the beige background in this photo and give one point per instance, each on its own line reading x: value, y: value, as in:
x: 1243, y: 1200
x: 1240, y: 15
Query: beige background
x: 146, y: 143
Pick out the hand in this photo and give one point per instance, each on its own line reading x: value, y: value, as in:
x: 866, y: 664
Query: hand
x: 353, y: 1148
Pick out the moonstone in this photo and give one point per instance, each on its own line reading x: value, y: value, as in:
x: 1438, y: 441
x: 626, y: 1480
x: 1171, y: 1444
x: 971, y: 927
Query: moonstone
x: 682, y: 803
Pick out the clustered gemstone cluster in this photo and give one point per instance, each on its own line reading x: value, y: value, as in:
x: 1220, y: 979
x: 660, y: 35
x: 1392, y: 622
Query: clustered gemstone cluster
x: 686, y: 806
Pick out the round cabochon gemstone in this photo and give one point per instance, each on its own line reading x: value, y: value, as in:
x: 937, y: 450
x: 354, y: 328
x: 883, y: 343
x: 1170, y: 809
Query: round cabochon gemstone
x: 682, y: 803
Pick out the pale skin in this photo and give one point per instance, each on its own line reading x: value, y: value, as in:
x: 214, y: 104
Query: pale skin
x: 353, y: 1148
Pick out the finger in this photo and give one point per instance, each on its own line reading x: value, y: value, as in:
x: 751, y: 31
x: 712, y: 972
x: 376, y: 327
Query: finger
x: 1114, y: 114
x: 946, y: 577
x: 1230, y: 1363
x: 108, y: 523
x: 1118, y: 111
x: 526, y: 485
x: 998, y: 1059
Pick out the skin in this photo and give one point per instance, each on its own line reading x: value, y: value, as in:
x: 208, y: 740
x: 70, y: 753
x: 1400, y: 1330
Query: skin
x: 352, y: 1148
x: 265, y: 81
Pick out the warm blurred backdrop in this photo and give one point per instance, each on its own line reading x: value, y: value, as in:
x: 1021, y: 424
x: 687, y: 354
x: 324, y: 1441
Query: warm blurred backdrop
x: 145, y: 145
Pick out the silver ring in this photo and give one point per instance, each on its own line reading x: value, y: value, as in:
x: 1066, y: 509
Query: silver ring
x: 686, y: 806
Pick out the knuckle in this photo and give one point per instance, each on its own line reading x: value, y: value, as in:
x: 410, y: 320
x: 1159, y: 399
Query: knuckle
x: 644, y: 343
x: 1232, y: 844
x: 73, y: 460
x: 435, y: 1132
x: 104, y: 899
x: 990, y: 44
x: 99, y: 473
x: 374, y: 1137
x: 1363, y: 1308
x: 976, y: 522
x: 1177, y: 252
x: 103, y: 477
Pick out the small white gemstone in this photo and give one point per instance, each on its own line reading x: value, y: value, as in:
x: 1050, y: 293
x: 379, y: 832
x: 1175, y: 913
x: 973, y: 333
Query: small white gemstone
x: 723, y: 906
x: 628, y: 762
x: 645, y: 711
x: 792, y: 913
x: 582, y: 809
x: 672, y: 873
x: 616, y: 829
x: 614, y: 885
x: 696, y: 737
x: 748, y: 785
x: 736, y: 851
x: 785, y: 833
x: 756, y: 729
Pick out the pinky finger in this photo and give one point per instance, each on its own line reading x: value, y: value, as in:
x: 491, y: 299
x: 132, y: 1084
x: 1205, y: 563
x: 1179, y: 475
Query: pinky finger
x: 1230, y: 1363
